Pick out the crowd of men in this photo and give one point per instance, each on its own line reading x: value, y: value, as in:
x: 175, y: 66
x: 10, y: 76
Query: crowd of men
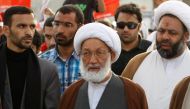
x: 76, y: 63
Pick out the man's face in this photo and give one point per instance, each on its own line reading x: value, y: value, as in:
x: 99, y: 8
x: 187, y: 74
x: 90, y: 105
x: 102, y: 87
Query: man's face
x: 21, y: 32
x: 65, y: 27
x: 126, y: 34
x: 171, y: 37
x: 95, y: 60
x: 49, y: 37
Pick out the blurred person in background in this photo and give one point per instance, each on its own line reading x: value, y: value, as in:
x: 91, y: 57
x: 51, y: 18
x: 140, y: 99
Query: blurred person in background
x: 88, y: 7
x: 36, y: 42
x: 48, y: 35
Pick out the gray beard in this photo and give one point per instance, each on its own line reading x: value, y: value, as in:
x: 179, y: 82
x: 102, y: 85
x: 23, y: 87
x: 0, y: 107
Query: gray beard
x: 95, y: 76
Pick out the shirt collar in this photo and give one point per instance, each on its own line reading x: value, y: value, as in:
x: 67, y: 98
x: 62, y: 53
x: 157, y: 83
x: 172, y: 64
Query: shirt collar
x: 55, y: 54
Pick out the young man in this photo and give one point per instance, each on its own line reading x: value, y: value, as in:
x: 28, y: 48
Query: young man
x: 98, y: 46
x: 49, y: 35
x: 66, y: 22
x: 159, y: 71
x: 128, y: 18
x: 26, y: 82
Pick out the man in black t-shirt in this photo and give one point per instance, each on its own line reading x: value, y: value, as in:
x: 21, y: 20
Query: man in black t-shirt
x: 128, y: 18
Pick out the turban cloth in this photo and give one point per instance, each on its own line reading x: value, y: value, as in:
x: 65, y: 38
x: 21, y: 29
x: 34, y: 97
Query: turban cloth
x: 100, y: 31
x: 176, y: 8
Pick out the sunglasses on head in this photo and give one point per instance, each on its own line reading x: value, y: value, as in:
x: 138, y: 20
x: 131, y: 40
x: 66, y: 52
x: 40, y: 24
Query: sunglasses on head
x: 130, y: 25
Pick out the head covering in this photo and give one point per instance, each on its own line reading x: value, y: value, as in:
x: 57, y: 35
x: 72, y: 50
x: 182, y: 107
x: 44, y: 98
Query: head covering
x: 176, y: 8
x: 100, y: 31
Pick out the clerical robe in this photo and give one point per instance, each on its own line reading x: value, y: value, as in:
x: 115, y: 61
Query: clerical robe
x: 158, y: 76
x: 181, y: 95
x: 134, y: 95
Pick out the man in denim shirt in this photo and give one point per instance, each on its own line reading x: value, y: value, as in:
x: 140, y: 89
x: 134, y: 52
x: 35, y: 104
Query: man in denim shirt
x: 66, y: 22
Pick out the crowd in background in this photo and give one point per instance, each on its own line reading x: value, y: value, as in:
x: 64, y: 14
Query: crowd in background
x: 76, y: 62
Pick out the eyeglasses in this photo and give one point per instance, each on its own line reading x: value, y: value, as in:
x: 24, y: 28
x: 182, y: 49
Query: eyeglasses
x: 130, y: 25
x: 98, y: 53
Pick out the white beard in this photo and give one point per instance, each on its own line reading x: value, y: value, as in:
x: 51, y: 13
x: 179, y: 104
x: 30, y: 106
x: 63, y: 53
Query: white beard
x: 92, y: 76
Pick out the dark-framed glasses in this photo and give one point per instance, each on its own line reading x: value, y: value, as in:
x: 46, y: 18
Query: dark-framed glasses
x: 130, y: 25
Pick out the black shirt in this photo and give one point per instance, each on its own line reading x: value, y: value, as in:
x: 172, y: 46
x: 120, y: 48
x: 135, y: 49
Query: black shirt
x: 86, y: 6
x: 125, y: 56
x: 17, y: 69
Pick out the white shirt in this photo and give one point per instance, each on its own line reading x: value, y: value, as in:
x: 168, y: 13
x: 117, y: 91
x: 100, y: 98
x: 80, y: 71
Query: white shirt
x: 95, y: 92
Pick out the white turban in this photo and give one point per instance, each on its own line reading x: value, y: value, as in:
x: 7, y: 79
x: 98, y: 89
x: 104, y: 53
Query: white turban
x: 100, y: 31
x: 176, y: 8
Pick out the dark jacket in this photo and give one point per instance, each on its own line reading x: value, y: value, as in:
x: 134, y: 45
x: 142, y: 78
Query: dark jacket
x: 50, y: 86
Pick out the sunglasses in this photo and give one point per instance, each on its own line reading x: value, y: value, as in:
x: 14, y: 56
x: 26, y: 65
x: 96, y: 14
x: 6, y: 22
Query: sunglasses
x: 130, y: 25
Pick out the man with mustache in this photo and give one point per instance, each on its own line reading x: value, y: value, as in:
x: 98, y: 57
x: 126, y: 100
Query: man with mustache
x: 26, y: 81
x: 66, y: 22
x: 99, y: 46
x: 158, y: 72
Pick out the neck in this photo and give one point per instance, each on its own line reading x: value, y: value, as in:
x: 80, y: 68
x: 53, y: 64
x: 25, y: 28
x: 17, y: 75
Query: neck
x: 65, y: 52
x: 15, y: 48
x: 131, y: 45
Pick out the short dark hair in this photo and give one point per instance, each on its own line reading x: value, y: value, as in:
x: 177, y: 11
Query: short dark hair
x: 65, y: 9
x: 14, y: 10
x: 129, y: 8
x: 48, y: 22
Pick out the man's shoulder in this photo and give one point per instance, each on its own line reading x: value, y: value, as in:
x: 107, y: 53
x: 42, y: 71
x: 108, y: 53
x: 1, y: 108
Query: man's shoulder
x: 135, y: 94
x: 133, y: 65
x: 76, y: 85
x: 45, y: 64
x: 74, y: 88
x: 130, y: 84
x: 144, y: 44
x: 49, y: 54
x: 179, y: 93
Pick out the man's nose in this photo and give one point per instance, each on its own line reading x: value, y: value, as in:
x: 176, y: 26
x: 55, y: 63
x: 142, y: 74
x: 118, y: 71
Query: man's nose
x: 52, y: 41
x: 93, y: 59
x: 29, y: 31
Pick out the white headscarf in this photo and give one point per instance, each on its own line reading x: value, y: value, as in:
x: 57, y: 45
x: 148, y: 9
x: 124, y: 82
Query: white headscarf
x: 100, y: 31
x: 176, y: 8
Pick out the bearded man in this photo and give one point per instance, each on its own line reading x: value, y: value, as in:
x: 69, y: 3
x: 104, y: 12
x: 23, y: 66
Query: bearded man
x: 66, y: 22
x: 99, y: 46
x: 163, y: 68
